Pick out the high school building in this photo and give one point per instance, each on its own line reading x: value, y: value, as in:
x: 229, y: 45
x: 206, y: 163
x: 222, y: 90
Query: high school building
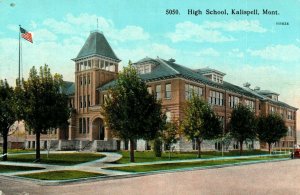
x: 96, y: 68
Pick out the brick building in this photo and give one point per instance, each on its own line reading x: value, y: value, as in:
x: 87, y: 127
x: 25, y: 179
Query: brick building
x: 96, y: 68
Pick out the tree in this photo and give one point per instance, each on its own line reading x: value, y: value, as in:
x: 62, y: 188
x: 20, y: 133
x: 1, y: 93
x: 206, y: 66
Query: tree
x: 44, y: 105
x: 200, y: 122
x: 242, y: 124
x: 130, y: 112
x: 170, y: 134
x: 271, y: 128
x: 7, y: 113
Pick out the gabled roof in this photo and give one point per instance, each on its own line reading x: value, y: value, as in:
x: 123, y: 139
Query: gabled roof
x: 96, y: 44
x: 68, y: 88
x: 169, y: 69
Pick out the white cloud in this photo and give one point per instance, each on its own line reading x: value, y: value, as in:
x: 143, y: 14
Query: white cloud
x: 188, y: 31
x: 236, y: 25
x: 131, y: 33
x: 285, y: 53
x: 84, y: 23
x: 207, y: 52
x: 236, y: 53
x: 58, y: 26
x: 43, y: 35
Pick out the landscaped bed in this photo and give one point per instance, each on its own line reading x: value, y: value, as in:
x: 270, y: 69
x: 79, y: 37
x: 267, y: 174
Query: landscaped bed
x: 180, y: 165
x: 61, y: 175
x: 58, y: 158
x: 148, y: 156
x: 10, y: 168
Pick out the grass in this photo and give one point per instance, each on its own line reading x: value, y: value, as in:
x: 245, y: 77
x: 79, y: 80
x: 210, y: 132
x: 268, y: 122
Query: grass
x: 169, y: 166
x: 148, y: 156
x: 61, y: 175
x: 10, y: 168
x: 58, y: 159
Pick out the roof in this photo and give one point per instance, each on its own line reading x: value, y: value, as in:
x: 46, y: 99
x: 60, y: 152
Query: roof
x: 169, y: 69
x: 96, y: 44
x: 208, y: 70
x: 267, y: 92
x: 68, y: 88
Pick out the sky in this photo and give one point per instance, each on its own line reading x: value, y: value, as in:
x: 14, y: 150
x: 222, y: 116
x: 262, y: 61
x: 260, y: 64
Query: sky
x: 250, y: 48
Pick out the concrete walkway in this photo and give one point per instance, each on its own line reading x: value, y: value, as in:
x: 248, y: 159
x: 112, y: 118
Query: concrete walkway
x: 98, y: 166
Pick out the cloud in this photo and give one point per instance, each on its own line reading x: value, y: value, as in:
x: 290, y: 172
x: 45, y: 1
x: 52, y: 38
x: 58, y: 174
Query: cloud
x: 236, y: 53
x: 43, y: 35
x: 210, y: 31
x: 84, y: 23
x: 284, y: 53
x: 188, y: 31
x: 236, y: 25
x: 207, y: 52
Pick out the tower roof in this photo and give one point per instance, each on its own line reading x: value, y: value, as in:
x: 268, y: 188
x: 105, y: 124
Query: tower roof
x: 96, y: 44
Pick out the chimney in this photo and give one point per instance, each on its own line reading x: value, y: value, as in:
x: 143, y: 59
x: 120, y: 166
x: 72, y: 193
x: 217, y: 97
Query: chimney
x: 172, y: 60
x: 256, y: 88
x: 247, y: 85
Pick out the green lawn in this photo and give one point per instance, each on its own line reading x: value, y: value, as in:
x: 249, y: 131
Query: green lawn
x: 61, y: 175
x: 9, y: 168
x: 168, y: 166
x: 58, y: 159
x: 148, y: 156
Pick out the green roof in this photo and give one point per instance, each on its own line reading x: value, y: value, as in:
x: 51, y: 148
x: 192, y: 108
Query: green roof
x: 68, y: 88
x: 165, y: 69
x: 96, y: 44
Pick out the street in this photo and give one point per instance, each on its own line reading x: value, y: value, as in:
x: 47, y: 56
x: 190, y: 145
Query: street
x: 265, y: 178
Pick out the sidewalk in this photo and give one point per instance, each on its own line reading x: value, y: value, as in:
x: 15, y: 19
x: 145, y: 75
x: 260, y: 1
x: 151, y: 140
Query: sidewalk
x: 98, y: 166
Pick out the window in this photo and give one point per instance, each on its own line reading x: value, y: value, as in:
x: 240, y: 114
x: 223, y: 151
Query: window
x: 216, y: 98
x: 147, y: 69
x: 80, y: 80
x: 289, y: 115
x: 106, y: 65
x: 272, y: 109
x: 80, y: 101
x: 88, y: 125
x: 222, y: 120
x: 158, y: 91
x: 84, y: 79
x: 83, y: 125
x: 250, y: 104
x: 84, y: 101
x: 168, y: 115
x: 89, y: 79
x: 80, y: 125
x: 102, y: 64
x: 168, y: 93
x: 149, y: 89
x: 189, y: 89
x: 233, y: 101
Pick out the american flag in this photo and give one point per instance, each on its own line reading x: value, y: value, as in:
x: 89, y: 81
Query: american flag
x: 26, y: 35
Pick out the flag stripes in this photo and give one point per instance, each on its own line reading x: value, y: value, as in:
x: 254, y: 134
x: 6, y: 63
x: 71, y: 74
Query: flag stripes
x: 26, y: 35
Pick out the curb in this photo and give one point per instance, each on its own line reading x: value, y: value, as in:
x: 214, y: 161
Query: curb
x: 132, y: 174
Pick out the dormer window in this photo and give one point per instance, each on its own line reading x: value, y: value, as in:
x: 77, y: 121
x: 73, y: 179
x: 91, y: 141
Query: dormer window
x: 211, y: 74
x: 144, y: 68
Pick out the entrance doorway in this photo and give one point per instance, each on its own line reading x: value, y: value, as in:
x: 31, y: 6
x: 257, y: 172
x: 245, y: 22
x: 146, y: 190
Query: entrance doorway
x: 98, y: 129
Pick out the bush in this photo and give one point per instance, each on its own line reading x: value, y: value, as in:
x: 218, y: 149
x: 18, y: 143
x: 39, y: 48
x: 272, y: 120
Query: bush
x: 157, y: 147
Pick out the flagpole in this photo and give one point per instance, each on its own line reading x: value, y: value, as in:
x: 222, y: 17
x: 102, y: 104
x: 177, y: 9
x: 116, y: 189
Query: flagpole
x: 19, y: 55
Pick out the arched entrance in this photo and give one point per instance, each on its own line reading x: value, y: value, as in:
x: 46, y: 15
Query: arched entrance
x: 98, y: 129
